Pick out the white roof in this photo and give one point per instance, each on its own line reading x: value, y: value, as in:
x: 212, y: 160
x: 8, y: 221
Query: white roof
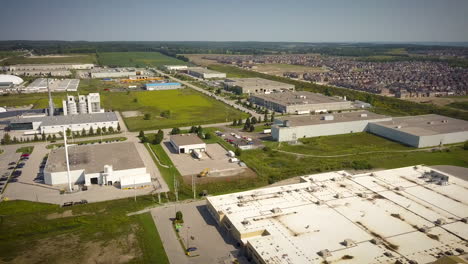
x: 293, y: 223
x: 10, y: 78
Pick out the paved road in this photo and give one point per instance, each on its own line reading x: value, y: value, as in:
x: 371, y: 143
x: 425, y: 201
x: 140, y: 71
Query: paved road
x: 222, y: 99
x: 214, y: 244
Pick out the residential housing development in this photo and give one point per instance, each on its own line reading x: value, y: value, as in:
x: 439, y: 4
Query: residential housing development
x: 300, y: 102
x: 93, y: 164
x: 416, y: 131
x: 405, y: 215
x: 256, y: 86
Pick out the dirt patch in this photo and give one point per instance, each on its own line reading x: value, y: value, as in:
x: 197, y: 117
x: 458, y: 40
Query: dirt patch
x: 66, y: 213
x: 131, y: 114
x: 70, y: 249
x: 246, y: 173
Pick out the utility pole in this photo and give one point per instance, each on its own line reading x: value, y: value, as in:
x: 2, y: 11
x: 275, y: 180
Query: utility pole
x: 194, y: 188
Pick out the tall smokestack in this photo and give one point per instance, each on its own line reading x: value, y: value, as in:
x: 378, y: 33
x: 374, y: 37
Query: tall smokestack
x: 51, y: 102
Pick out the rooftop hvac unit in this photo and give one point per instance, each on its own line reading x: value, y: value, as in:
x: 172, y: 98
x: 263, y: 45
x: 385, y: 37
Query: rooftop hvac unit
x: 349, y: 243
x: 423, y: 229
x: 276, y: 210
x: 440, y: 221
x: 339, y: 195
x: 324, y: 253
x: 376, y: 241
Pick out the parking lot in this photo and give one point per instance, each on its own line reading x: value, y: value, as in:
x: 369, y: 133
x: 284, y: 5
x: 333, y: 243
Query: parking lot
x: 8, y: 163
x: 213, y: 244
x: 241, y: 139
x: 215, y: 159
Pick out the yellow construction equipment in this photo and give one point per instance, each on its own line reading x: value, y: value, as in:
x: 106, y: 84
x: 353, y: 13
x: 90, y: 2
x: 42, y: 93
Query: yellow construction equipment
x: 204, y: 173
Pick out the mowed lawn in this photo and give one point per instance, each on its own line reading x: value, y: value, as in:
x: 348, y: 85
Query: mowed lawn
x: 136, y: 59
x: 187, y: 107
x: 62, y: 58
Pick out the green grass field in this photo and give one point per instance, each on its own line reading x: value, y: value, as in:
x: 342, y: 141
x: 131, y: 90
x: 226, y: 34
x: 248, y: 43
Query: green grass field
x: 67, y: 58
x: 459, y: 105
x: 187, y: 108
x: 43, y: 233
x: 136, y: 59
x: 272, y: 165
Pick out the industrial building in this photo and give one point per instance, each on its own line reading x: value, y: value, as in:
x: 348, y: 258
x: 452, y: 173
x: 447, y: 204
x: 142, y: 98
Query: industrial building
x: 422, y: 131
x: 175, y: 67
x: 48, y: 67
x: 115, y: 164
x: 113, y: 73
x: 187, y: 143
x: 9, y: 82
x: 56, y: 124
x: 44, y: 73
x: 256, y: 86
x: 405, y: 215
x: 300, y: 102
x: 292, y: 128
x: 86, y: 104
x: 41, y: 85
x: 205, y: 73
x: 162, y: 86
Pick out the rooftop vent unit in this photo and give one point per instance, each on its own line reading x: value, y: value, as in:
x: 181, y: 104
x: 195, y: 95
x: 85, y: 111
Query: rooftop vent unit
x: 376, y: 241
x: 363, y: 195
x: 240, y: 204
x: 423, y: 229
x: 399, y: 188
x: 388, y: 254
x: 245, y: 222
x: 430, y: 123
x: 324, y: 253
x: 319, y: 202
x: 276, y: 210
x: 465, y: 220
x: 349, y: 243
x: 445, y: 121
x: 440, y: 221
x: 339, y: 195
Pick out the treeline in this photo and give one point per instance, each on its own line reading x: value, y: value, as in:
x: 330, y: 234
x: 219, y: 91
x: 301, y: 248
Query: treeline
x: 382, y: 104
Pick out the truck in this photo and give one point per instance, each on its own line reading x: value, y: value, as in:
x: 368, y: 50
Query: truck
x: 231, y: 154
x: 233, y: 160
x: 197, y: 154
x: 266, y: 131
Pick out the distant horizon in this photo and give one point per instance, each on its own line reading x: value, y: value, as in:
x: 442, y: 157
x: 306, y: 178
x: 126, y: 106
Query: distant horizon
x: 305, y: 21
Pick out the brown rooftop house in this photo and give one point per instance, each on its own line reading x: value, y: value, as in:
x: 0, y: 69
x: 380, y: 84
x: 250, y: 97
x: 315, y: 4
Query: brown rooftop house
x: 187, y: 143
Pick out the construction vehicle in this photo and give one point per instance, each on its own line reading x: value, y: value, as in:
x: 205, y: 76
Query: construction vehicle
x: 204, y: 173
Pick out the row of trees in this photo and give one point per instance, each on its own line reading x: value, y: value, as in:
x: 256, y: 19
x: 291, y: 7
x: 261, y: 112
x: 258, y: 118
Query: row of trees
x: 158, y: 138
x: 7, y: 139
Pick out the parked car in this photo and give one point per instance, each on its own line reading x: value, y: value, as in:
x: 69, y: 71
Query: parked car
x: 12, y: 163
x: 16, y: 173
x: 67, y: 204
x: 11, y: 168
x: 21, y: 165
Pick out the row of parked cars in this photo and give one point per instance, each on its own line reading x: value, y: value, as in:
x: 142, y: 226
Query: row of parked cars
x: 14, y: 171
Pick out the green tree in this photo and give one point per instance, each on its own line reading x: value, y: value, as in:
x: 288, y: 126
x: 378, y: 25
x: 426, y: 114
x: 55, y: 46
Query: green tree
x: 175, y: 131
x: 193, y: 129
x: 15, y: 140
x: 234, y: 122
x: 98, y: 131
x: 83, y: 132
x: 239, y: 122
x: 327, y: 92
x: 91, y: 131
x: 104, y: 130
x: 254, y: 120
x: 43, y: 136
x: 179, y: 217
x: 141, y: 134
x: 208, y: 135
x: 135, y: 100
x: 36, y: 138
x: 159, y: 137
x: 238, y: 152
x: 68, y: 132
x: 49, y: 137
x: 118, y: 127
x: 251, y: 128
x: 465, y: 146
x: 272, y: 119
x: 147, y: 116
x: 259, y: 120
x: 54, y: 137
x: 111, y: 130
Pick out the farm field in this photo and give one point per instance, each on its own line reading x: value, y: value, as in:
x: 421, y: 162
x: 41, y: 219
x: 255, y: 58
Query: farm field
x: 187, y: 107
x: 279, y: 69
x: 62, y: 58
x: 136, y: 59
x: 44, y: 233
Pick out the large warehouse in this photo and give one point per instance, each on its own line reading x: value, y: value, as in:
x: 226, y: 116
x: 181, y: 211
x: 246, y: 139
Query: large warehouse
x: 256, y: 86
x: 186, y: 143
x: 117, y: 164
x: 113, y: 73
x: 48, y: 67
x: 175, y: 67
x: 8, y: 83
x: 293, y: 128
x: 162, y: 86
x: 55, y: 85
x: 55, y: 124
x: 422, y: 131
x: 406, y: 215
x: 300, y: 102
x: 205, y: 73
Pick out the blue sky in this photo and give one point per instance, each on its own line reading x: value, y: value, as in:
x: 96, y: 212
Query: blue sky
x: 235, y: 20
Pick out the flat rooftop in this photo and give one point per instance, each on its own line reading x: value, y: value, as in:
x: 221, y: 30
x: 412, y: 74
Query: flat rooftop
x: 68, y: 119
x: 426, y: 125
x: 307, y: 120
x: 202, y: 70
x: 254, y: 82
x: 186, y: 139
x: 92, y: 158
x: 299, y: 98
x: 381, y: 217
x: 105, y: 70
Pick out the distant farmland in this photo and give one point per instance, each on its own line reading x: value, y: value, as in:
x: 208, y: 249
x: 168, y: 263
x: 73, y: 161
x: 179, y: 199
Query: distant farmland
x: 62, y: 58
x: 136, y: 59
